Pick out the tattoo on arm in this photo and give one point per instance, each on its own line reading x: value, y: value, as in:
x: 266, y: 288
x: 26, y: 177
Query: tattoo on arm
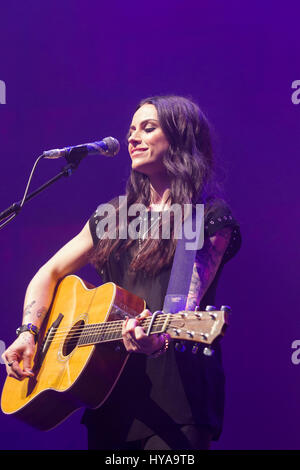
x: 27, y: 309
x: 40, y: 313
x: 206, y: 265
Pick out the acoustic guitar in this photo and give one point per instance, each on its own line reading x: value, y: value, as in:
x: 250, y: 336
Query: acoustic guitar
x: 80, y: 355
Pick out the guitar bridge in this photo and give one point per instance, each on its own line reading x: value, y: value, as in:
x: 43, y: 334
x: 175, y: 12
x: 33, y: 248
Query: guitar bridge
x: 40, y: 356
x: 48, y: 339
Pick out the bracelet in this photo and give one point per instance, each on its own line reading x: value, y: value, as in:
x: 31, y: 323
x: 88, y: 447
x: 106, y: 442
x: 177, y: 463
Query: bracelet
x: 163, y: 348
x: 29, y: 327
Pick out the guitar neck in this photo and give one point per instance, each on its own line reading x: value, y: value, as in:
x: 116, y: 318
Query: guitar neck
x: 112, y: 331
x: 200, y: 327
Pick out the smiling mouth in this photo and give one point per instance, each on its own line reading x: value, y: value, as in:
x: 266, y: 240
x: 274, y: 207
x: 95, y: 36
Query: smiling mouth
x: 136, y: 152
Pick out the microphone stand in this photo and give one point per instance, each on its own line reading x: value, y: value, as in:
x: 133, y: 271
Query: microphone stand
x: 14, y: 209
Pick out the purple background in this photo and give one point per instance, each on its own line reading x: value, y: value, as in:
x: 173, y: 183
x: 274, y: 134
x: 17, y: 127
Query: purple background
x: 74, y: 72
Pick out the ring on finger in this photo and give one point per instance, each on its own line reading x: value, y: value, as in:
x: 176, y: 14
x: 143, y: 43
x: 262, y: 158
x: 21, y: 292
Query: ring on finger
x: 10, y: 363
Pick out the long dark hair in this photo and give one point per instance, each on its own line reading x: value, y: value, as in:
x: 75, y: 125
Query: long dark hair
x: 189, y: 162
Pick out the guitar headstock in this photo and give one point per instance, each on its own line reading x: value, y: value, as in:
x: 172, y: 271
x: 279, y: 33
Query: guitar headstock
x: 199, y: 326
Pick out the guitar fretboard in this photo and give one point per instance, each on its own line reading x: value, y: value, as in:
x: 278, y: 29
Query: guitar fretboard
x: 112, y: 330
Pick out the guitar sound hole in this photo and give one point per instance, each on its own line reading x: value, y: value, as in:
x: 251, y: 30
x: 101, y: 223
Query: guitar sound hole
x: 72, y: 338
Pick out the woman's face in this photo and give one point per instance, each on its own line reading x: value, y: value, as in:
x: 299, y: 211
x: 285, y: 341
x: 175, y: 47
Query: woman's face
x: 147, y: 143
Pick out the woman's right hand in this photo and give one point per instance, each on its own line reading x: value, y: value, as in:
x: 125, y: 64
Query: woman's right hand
x: 22, y: 349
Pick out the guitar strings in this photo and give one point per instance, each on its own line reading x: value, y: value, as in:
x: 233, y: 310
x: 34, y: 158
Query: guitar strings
x: 93, y: 341
x: 74, y: 341
x: 116, y: 323
x: 106, y: 328
x: 83, y: 332
x: 112, y: 325
x: 93, y: 329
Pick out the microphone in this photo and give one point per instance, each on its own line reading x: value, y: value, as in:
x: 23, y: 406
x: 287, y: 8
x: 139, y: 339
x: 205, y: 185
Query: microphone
x: 108, y: 146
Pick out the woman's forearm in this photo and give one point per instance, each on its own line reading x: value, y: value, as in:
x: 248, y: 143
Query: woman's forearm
x: 38, y: 297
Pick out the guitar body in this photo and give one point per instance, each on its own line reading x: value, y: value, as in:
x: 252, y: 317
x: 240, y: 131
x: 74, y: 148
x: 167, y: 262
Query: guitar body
x: 69, y: 375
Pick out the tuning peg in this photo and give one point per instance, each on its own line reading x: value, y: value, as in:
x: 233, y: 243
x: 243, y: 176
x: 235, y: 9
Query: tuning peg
x: 195, y: 348
x: 210, y: 308
x: 226, y: 308
x: 208, y: 351
x: 180, y: 347
x: 213, y: 315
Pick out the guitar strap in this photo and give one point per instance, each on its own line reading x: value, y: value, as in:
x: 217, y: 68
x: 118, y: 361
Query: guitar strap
x: 184, y: 258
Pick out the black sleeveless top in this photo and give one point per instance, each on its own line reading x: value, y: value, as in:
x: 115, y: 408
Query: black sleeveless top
x: 154, y: 394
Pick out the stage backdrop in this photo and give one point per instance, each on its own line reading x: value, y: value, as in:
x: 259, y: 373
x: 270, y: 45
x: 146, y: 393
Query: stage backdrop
x: 72, y: 72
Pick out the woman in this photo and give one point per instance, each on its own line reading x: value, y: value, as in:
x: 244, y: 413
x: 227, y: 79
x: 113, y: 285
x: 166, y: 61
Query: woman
x: 164, y: 399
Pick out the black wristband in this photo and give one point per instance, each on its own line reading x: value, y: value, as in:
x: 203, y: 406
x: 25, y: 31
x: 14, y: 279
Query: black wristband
x: 29, y: 327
